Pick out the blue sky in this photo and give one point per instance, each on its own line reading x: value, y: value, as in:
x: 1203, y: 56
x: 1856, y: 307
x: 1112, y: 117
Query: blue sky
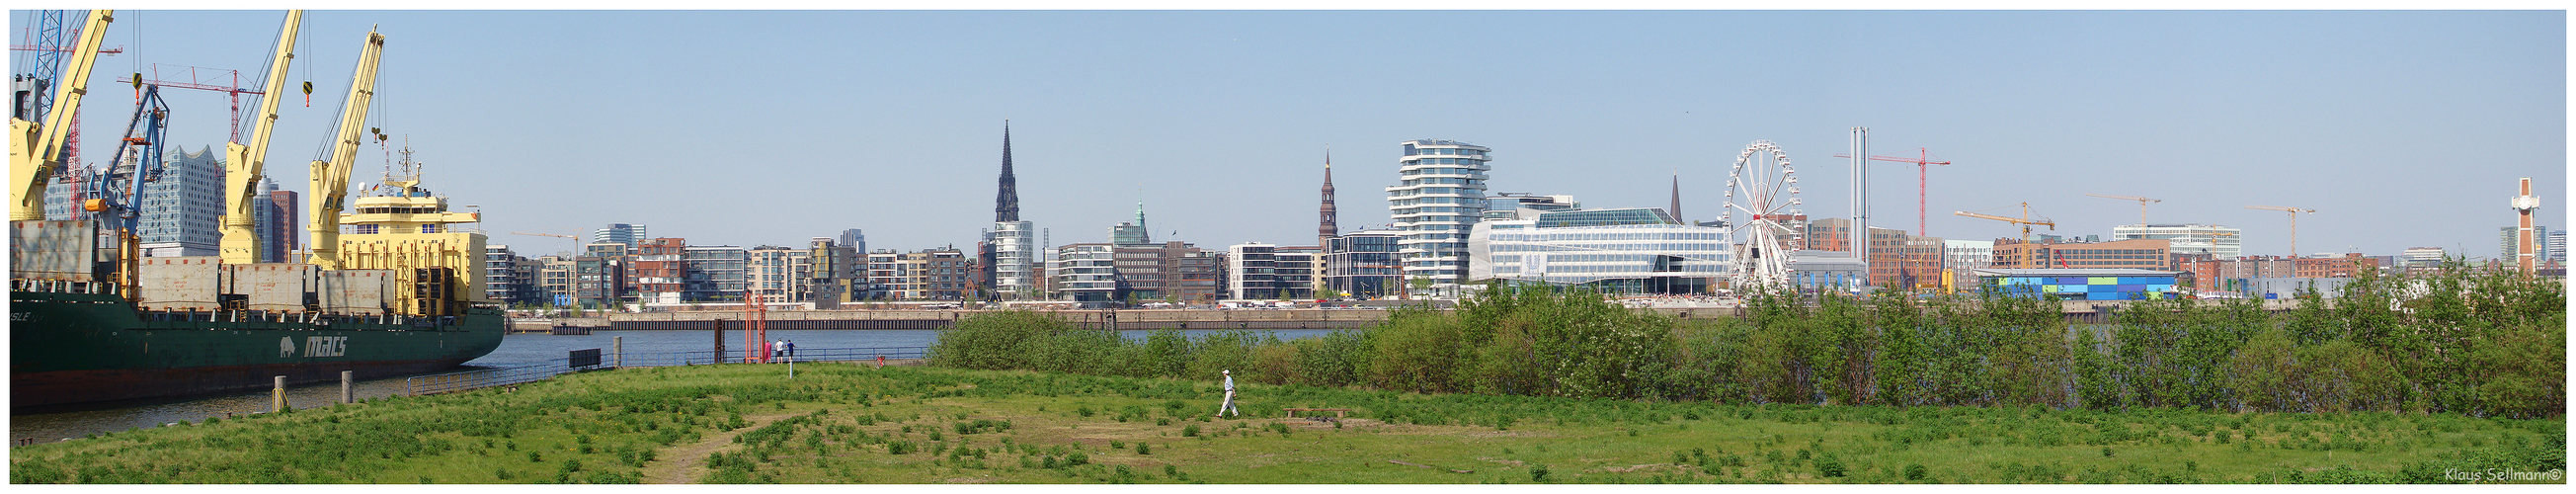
x: 2403, y: 128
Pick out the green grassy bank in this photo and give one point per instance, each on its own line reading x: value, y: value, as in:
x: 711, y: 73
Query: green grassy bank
x: 852, y: 424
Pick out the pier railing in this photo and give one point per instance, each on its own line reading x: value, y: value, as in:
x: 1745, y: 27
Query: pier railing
x: 504, y: 376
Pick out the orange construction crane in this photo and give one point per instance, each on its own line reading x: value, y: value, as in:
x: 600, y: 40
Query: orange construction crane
x: 576, y: 240
x: 2024, y: 220
x: 1922, y: 169
x: 2142, y: 204
x: 2294, y: 224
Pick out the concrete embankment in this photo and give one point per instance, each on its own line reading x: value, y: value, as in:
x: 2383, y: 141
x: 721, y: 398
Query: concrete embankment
x: 2076, y: 311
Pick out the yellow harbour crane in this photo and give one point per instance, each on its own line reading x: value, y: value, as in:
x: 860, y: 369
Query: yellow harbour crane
x: 330, y: 178
x: 2294, y: 223
x: 245, y: 163
x: 38, y: 148
x: 2142, y: 204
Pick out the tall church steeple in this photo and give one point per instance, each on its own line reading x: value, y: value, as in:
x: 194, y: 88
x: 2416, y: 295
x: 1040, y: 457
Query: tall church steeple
x: 1328, y: 227
x: 1676, y: 210
x: 1006, y: 205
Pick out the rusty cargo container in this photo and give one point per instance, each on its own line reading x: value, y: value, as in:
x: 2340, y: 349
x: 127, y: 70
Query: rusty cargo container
x: 179, y: 283
x: 52, y: 250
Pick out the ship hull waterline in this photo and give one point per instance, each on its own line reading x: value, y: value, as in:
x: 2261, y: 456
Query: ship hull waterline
x: 74, y: 348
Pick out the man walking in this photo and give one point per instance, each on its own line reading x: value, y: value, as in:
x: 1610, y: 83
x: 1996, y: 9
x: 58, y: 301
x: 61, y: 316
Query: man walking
x: 1228, y: 405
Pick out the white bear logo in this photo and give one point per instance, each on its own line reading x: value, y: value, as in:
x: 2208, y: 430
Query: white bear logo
x: 285, y: 346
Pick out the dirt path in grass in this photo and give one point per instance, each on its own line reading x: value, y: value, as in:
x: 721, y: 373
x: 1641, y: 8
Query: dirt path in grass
x: 685, y: 463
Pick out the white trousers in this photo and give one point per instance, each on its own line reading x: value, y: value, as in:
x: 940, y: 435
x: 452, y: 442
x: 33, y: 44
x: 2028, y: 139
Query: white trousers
x: 1228, y: 406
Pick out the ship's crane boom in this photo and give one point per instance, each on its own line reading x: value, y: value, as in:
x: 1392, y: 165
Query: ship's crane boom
x: 331, y: 177
x: 2294, y: 223
x: 2142, y: 204
x: 246, y: 162
x: 39, y: 148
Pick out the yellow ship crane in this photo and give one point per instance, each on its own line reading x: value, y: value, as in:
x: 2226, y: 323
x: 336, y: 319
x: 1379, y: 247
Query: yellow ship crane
x: 2142, y: 204
x: 2294, y: 223
x: 331, y: 177
x: 246, y: 163
x: 39, y: 147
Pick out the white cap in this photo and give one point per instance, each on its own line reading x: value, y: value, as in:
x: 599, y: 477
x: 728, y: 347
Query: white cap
x: 1228, y: 371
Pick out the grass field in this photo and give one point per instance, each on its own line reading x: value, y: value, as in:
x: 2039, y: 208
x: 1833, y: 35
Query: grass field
x: 852, y: 424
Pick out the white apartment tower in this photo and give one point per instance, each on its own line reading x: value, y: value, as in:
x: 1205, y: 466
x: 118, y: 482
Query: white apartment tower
x: 1440, y: 199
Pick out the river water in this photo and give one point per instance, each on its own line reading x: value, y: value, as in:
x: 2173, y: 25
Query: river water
x: 515, y: 350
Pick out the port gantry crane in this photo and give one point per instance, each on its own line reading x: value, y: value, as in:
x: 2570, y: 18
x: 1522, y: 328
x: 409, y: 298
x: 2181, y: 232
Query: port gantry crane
x: 2142, y: 204
x: 331, y: 178
x: 2024, y: 221
x: 39, y: 149
x: 244, y: 163
x: 1922, y: 172
x: 2294, y: 224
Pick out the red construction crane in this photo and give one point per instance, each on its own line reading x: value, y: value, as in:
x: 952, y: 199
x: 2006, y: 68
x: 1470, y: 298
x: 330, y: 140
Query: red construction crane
x: 1922, y: 167
x: 198, y: 78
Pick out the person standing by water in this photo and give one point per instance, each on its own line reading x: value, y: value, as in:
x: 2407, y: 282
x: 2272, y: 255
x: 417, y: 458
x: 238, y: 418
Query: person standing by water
x: 1228, y: 405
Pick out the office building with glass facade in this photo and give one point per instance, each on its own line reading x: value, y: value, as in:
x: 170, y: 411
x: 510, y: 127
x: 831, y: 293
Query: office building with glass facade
x: 2217, y: 241
x: 1363, y: 265
x: 1625, y: 250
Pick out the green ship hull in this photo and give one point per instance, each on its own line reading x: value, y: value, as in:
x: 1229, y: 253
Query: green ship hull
x: 72, y: 348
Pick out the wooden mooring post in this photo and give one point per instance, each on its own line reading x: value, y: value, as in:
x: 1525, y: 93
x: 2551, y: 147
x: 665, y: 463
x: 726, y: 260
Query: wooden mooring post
x: 348, y: 394
x: 719, y: 342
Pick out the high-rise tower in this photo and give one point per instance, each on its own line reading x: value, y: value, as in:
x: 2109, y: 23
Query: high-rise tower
x: 1441, y: 196
x: 1330, y: 226
x: 1006, y: 205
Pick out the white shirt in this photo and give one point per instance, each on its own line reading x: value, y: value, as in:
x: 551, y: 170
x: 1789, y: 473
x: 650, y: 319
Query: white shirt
x: 1229, y: 382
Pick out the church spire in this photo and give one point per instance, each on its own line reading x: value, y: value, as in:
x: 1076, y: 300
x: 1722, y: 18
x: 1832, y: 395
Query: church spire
x: 1328, y: 227
x: 1676, y: 211
x: 1006, y: 205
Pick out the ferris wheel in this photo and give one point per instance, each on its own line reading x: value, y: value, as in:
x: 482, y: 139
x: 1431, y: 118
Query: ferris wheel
x: 1762, y: 215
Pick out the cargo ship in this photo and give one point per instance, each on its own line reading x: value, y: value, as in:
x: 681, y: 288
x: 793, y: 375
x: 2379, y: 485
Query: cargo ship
x: 404, y: 301
x: 91, y: 320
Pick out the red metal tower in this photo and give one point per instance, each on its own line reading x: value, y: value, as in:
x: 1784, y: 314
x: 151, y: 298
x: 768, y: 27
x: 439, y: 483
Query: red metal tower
x: 755, y: 328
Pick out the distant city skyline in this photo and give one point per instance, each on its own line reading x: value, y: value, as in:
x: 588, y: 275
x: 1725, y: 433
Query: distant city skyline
x: 2403, y: 129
